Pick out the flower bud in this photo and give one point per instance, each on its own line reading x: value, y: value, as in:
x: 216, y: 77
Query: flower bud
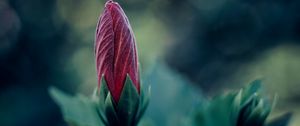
x: 115, y: 50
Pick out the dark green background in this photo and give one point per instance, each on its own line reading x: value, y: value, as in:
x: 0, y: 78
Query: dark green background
x: 188, y: 49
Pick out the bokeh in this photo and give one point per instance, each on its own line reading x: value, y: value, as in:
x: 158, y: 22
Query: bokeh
x: 189, y: 50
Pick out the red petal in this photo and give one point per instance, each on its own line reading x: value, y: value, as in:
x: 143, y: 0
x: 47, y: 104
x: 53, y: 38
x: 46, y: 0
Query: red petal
x: 125, y: 59
x: 104, y: 47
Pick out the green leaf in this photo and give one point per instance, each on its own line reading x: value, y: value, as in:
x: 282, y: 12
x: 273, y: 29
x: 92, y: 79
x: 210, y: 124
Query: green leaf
x: 251, y: 89
x: 220, y: 110
x: 128, y: 104
x: 245, y: 110
x: 257, y: 116
x: 79, y: 110
x: 236, y: 106
x: 201, y: 117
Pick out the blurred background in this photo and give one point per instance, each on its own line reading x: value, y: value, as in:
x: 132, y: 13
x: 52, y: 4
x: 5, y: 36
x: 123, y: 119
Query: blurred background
x: 189, y: 50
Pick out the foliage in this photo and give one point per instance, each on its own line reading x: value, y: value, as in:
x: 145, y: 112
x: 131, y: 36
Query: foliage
x: 244, y: 108
x: 101, y: 109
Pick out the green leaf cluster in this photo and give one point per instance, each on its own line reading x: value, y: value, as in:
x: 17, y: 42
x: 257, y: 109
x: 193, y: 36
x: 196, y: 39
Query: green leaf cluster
x: 101, y: 109
x: 243, y: 108
x: 127, y: 111
x: 246, y: 107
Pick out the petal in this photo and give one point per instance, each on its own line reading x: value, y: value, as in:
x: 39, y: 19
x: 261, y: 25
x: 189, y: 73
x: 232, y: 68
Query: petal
x: 104, y: 48
x: 125, y: 59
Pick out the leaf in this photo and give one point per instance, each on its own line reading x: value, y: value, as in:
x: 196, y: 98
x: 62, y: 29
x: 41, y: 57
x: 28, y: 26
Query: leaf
x: 79, y: 110
x: 257, y: 116
x: 236, y: 106
x: 220, y: 110
x: 200, y: 118
x: 251, y: 89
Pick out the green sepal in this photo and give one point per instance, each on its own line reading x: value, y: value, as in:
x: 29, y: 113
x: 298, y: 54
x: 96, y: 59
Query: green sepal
x: 102, y: 94
x: 128, y: 103
x: 103, y: 90
x: 110, y: 111
x: 128, y: 110
x: 144, y: 102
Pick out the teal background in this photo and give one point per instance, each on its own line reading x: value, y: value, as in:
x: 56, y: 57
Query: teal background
x: 189, y: 50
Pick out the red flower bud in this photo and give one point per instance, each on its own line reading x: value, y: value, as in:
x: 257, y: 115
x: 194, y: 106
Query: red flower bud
x: 115, y: 50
